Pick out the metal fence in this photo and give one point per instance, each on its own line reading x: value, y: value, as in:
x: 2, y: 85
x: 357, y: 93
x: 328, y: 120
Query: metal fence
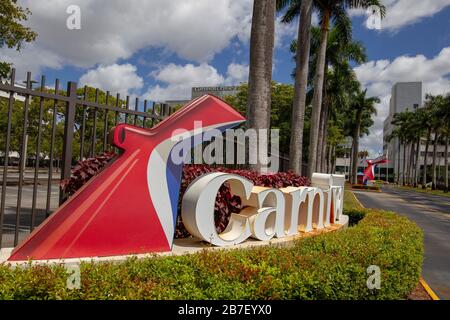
x: 51, y: 129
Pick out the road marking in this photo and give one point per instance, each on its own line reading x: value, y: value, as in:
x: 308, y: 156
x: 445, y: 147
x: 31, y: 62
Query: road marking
x: 428, y: 289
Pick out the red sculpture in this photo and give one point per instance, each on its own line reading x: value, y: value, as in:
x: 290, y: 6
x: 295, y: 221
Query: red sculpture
x: 131, y: 206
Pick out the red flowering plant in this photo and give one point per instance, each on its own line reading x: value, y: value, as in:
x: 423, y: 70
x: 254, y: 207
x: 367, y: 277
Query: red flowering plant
x: 226, y: 203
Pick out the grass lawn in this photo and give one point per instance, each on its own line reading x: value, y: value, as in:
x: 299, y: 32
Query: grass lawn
x: 350, y: 201
x: 429, y: 191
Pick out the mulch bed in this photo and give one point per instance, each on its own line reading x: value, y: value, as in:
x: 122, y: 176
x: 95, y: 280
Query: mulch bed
x: 419, y: 293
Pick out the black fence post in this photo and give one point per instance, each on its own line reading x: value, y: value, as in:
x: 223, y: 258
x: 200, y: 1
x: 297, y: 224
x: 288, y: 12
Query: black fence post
x: 68, y: 136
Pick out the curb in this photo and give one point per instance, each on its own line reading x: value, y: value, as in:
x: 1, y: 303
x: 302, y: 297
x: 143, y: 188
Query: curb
x: 357, y: 200
x: 422, y: 281
x: 428, y: 289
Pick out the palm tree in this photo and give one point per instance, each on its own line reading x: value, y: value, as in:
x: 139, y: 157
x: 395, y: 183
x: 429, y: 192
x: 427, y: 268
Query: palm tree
x: 334, y: 11
x: 300, y: 84
x: 328, y: 10
x: 260, y: 74
x: 341, y: 84
x: 439, y: 126
x: 416, y: 126
x: 427, y: 122
x: 442, y: 128
x: 364, y: 107
x: 400, y: 122
x: 447, y: 133
x: 340, y: 50
x: 398, y: 134
x: 411, y: 140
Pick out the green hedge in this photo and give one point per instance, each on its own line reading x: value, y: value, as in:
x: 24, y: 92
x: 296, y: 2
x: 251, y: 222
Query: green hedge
x: 364, y: 187
x: 328, y: 266
x: 355, y: 215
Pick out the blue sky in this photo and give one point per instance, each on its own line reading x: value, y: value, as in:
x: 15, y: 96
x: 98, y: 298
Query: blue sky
x: 159, y: 49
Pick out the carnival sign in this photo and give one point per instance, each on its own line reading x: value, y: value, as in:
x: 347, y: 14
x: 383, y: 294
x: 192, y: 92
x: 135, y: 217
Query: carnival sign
x: 131, y: 206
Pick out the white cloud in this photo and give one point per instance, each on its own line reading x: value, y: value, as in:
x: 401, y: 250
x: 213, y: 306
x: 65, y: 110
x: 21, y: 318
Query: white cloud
x: 32, y: 58
x: 115, y: 78
x: 236, y: 73
x: 379, y: 77
x: 400, y: 13
x: 115, y: 29
x: 284, y: 30
x: 179, y: 79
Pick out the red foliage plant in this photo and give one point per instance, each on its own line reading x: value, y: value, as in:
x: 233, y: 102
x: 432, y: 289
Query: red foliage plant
x: 84, y: 171
x: 226, y: 203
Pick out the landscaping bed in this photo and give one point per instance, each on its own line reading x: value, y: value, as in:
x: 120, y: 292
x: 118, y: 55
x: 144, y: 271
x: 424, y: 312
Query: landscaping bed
x: 328, y: 266
x: 364, y: 187
x: 427, y: 190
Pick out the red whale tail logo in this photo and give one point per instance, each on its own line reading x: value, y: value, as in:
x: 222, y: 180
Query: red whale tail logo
x: 131, y: 206
x: 369, y: 172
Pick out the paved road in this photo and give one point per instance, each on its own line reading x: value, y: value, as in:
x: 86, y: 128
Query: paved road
x: 432, y: 214
x: 9, y: 220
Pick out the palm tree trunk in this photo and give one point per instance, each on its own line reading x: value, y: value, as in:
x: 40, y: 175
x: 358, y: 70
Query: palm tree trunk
x: 320, y: 140
x: 300, y: 86
x: 260, y: 73
x: 330, y: 158
x: 433, y: 166
x: 417, y: 164
x: 317, y: 97
x: 404, y: 163
x: 324, y: 142
x: 425, y: 160
x: 411, y: 164
x: 446, y: 163
x: 333, y: 160
x: 356, y: 148
x: 398, y: 160
x: 321, y: 143
x: 350, y: 169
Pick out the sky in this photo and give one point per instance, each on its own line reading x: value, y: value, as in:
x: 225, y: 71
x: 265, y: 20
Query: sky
x: 159, y: 49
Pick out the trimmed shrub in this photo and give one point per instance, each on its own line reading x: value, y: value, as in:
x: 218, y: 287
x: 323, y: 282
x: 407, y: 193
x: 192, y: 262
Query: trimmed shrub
x: 364, y: 187
x: 328, y: 266
x: 355, y: 215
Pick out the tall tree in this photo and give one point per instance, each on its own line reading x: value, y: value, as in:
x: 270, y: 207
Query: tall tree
x: 339, y: 76
x: 427, y: 122
x: 12, y: 31
x: 447, y: 138
x: 364, y: 107
x: 418, y: 132
x: 301, y: 82
x: 334, y: 11
x: 438, y: 121
x: 260, y: 74
x: 442, y: 129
